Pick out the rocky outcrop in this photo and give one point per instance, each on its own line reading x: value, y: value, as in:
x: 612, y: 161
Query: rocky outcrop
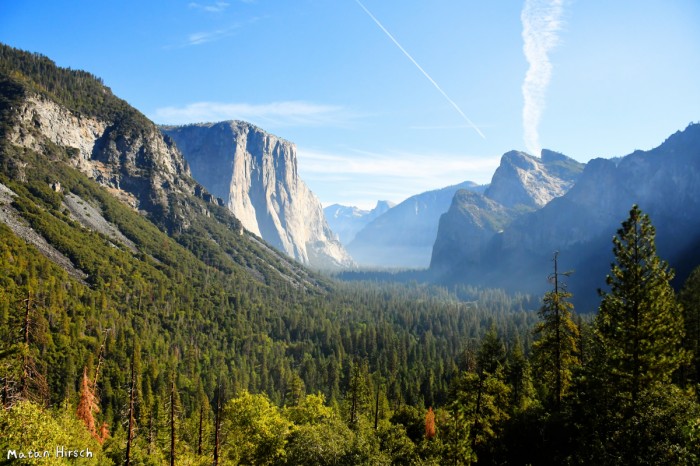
x: 137, y: 165
x: 256, y: 173
x: 58, y: 125
x: 529, y: 182
x: 521, y: 184
x: 466, y: 229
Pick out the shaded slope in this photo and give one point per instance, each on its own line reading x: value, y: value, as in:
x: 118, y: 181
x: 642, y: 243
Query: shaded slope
x: 664, y: 182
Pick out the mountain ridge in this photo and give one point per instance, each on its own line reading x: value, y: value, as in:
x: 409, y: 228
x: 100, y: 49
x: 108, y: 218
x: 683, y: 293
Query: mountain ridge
x: 664, y: 183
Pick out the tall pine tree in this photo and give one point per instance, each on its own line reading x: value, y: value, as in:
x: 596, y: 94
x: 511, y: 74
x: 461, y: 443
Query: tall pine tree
x: 627, y: 410
x: 639, y: 323
x: 556, y: 350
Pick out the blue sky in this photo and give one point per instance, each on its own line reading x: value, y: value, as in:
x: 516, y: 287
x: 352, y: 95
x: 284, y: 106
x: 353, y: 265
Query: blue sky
x: 381, y: 100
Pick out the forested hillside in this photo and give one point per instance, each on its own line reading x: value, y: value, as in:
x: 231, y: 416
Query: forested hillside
x: 171, y: 336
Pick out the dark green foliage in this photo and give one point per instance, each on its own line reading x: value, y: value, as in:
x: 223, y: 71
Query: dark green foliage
x: 78, y: 91
x: 555, y: 352
x: 640, y: 323
x: 628, y: 411
x: 480, y: 403
x: 220, y: 321
x: 690, y: 300
x: 519, y: 377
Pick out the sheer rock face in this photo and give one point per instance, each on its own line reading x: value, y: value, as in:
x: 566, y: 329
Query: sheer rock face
x: 256, y: 173
x: 466, y: 229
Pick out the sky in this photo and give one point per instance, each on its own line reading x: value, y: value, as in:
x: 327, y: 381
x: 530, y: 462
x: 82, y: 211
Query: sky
x: 389, y: 98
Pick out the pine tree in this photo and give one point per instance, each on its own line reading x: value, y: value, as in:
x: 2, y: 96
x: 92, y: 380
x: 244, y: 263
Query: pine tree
x: 217, y: 424
x: 555, y: 352
x: 480, y: 399
x: 640, y: 323
x: 519, y: 377
x: 131, y: 420
x: 689, y: 297
x: 174, y: 406
x: 358, y: 396
x: 21, y: 370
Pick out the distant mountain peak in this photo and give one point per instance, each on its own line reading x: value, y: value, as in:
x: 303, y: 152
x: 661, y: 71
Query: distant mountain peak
x: 384, y: 205
x: 346, y: 221
x: 531, y: 182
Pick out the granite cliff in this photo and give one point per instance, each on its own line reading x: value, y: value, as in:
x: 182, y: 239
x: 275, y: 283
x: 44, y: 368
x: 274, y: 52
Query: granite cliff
x: 526, y: 182
x: 69, y: 147
x: 133, y: 161
x: 256, y: 174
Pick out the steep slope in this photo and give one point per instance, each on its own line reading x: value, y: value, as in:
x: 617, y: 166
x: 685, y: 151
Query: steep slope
x: 466, y: 229
x: 404, y: 235
x: 256, y: 173
x: 346, y: 221
x: 664, y: 182
x: 56, y: 123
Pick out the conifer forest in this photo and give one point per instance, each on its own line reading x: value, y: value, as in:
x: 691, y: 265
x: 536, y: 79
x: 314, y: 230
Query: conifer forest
x: 189, y: 342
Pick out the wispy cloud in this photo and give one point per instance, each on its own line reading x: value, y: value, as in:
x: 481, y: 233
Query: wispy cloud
x: 203, y: 37
x: 216, y: 7
x: 541, y: 20
x: 285, y: 113
x: 361, y: 178
x: 198, y: 38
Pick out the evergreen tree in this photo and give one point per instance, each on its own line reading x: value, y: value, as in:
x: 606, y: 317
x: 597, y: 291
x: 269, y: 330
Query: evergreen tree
x: 555, y: 352
x: 689, y: 297
x: 519, y: 377
x: 480, y: 401
x: 640, y: 323
x: 358, y: 397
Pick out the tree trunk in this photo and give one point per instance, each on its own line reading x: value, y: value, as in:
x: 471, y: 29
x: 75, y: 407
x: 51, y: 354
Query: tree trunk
x: 130, y: 430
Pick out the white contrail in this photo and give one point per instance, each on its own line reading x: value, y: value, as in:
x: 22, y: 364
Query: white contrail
x: 408, y: 55
x: 541, y: 21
